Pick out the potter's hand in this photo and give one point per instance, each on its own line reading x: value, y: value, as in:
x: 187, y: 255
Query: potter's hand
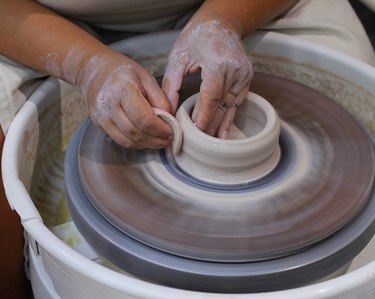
x: 120, y: 94
x: 225, y: 70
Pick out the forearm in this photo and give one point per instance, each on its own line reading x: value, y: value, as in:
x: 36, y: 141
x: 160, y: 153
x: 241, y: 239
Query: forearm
x: 40, y: 39
x: 242, y: 16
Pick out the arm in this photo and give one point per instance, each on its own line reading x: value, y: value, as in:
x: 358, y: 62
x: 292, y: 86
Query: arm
x: 119, y: 92
x: 211, y: 42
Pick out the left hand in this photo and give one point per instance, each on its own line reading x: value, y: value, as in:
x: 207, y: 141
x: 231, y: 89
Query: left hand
x: 226, y: 73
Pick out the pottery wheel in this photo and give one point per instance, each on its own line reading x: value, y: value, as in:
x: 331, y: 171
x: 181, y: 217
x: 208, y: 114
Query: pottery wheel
x: 322, y: 181
x: 308, y: 217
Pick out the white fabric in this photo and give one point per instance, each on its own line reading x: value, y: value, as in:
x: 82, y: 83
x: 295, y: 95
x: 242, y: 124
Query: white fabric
x: 332, y: 23
x: 16, y: 84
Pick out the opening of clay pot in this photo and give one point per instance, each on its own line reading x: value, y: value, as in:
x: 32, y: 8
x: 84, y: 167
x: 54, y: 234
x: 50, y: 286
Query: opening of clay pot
x: 250, y: 152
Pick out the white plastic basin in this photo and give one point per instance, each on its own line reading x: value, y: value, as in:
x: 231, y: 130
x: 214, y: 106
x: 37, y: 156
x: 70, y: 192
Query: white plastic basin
x: 62, y: 269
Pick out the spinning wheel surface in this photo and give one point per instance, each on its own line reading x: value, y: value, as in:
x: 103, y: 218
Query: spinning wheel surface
x: 322, y: 182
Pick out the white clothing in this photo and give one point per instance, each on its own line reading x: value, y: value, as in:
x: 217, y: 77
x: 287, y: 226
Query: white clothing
x: 332, y: 23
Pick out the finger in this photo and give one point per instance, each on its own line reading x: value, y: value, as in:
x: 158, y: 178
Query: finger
x: 208, y: 111
x: 229, y: 116
x: 154, y: 94
x: 236, y: 81
x: 117, y: 136
x: 242, y: 94
x: 227, y: 122
x: 138, y: 110
x: 238, y: 77
x: 228, y: 106
x: 172, y: 82
x: 135, y: 135
x: 231, y: 78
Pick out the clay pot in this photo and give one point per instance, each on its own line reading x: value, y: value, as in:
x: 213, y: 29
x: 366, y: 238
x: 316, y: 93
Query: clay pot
x: 250, y: 152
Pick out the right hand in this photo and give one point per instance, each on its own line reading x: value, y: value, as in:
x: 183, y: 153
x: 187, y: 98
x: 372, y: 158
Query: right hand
x: 215, y: 49
x: 120, y: 94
